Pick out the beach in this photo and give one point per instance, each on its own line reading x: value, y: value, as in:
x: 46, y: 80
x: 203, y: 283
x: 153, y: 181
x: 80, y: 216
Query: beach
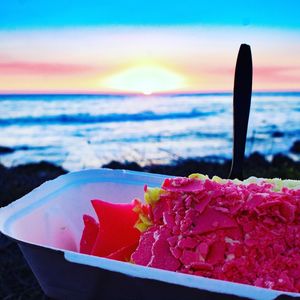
x: 87, y: 131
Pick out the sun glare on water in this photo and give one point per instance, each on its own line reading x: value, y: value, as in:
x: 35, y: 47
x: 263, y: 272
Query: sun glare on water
x: 147, y: 79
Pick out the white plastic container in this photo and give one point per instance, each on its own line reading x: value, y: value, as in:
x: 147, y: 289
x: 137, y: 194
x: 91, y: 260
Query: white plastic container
x: 47, y: 225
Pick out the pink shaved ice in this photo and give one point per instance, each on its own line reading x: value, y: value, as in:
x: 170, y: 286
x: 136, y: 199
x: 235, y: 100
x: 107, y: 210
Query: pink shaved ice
x: 245, y: 233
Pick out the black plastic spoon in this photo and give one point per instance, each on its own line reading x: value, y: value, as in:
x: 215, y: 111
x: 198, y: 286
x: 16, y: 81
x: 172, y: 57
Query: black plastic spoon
x: 241, y: 107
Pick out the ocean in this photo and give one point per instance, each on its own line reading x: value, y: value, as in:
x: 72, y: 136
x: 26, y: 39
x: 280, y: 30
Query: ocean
x: 87, y: 131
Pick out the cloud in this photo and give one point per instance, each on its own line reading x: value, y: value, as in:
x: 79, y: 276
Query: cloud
x: 277, y: 73
x: 262, y: 73
x: 42, y: 68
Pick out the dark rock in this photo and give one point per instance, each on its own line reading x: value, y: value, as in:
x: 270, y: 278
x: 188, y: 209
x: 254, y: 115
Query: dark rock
x: 133, y: 166
x: 4, y: 241
x: 257, y: 159
x: 6, y: 150
x: 23, y: 148
x: 16, y: 278
x: 254, y: 165
x: 280, y: 160
x: 284, y: 167
x: 277, y: 134
x: 17, y: 181
x: 114, y: 165
x: 296, y: 147
x: 42, y: 168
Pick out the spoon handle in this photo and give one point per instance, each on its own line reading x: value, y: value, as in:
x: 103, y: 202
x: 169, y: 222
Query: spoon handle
x: 241, y: 107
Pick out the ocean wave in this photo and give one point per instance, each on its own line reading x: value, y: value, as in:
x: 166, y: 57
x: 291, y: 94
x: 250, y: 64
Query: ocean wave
x: 87, y: 118
x: 166, y: 137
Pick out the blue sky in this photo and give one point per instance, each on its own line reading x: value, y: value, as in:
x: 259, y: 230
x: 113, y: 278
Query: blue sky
x: 17, y: 14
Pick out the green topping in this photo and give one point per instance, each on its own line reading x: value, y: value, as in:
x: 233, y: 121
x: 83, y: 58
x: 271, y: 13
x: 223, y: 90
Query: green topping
x: 152, y: 195
x: 277, y: 183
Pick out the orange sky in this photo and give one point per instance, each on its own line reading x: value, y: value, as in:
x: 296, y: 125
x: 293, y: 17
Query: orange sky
x: 145, y: 59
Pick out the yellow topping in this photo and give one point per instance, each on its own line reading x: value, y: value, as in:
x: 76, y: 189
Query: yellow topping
x: 218, y: 179
x: 144, y: 219
x: 141, y: 226
x: 152, y: 195
x: 198, y: 176
x: 277, y: 183
x: 237, y: 181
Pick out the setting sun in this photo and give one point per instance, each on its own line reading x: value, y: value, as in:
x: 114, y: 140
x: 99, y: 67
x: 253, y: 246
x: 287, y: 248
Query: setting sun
x: 146, y: 79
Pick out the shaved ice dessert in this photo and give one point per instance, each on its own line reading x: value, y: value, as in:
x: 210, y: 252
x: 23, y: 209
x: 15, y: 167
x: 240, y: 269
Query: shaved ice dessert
x: 246, y: 232
x: 115, y: 236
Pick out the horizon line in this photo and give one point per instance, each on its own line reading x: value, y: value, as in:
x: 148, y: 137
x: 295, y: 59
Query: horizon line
x: 93, y: 93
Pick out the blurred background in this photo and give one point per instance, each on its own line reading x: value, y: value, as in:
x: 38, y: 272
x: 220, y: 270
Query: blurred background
x: 83, y: 84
